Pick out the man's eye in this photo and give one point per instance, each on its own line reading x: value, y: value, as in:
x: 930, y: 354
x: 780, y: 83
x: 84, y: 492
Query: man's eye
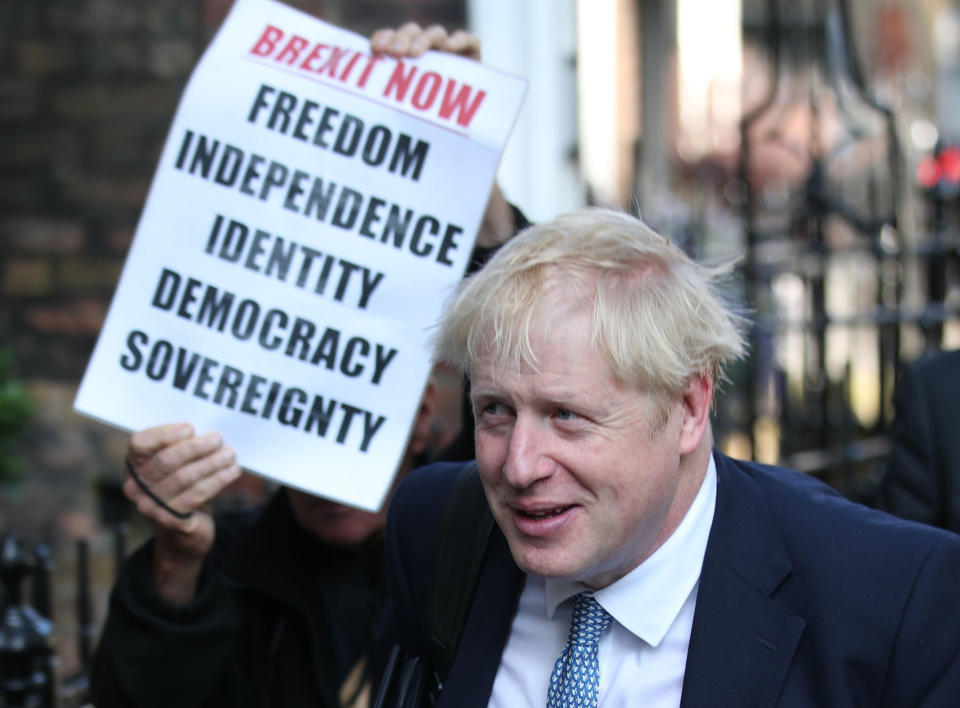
x: 493, y: 409
x: 565, y: 414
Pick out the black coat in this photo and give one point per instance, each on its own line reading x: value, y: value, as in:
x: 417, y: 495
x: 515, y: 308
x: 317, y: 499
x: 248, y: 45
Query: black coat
x: 922, y: 480
x: 279, y: 620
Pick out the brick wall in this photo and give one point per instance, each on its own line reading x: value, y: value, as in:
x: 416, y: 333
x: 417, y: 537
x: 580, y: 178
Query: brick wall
x: 87, y: 91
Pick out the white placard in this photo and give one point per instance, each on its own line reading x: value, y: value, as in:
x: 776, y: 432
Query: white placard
x: 312, y: 208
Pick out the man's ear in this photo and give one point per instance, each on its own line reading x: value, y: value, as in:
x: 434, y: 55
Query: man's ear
x: 695, y: 407
x: 420, y: 437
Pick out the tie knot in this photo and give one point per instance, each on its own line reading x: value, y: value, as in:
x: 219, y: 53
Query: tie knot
x: 589, y: 620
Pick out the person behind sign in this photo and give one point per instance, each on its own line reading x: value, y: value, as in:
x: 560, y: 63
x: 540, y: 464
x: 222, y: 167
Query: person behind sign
x: 265, y: 607
x: 922, y: 477
x: 271, y: 606
x: 631, y: 562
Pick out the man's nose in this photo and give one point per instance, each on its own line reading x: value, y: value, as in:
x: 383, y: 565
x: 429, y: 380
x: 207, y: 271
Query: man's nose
x: 528, y: 459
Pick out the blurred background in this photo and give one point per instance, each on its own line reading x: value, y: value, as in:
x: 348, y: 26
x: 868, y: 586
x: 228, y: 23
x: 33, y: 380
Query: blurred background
x: 817, y: 140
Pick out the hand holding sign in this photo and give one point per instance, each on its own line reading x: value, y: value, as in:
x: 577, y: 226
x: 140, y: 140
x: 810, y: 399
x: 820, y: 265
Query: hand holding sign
x: 411, y: 40
x: 185, y: 472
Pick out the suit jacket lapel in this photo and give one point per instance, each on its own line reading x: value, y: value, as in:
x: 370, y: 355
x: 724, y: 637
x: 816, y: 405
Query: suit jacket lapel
x: 488, y: 627
x: 742, y: 641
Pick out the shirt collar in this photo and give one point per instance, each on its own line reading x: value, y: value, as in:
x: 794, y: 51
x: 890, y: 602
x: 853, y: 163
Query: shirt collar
x: 648, y: 599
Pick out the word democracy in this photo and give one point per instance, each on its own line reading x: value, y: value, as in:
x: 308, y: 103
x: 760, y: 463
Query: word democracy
x: 423, y: 235
x: 273, y: 329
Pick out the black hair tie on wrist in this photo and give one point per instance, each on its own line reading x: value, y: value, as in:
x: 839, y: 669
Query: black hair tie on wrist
x: 149, y: 493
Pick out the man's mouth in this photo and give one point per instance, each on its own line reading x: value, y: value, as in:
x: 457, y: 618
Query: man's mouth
x: 543, y: 521
x: 545, y: 513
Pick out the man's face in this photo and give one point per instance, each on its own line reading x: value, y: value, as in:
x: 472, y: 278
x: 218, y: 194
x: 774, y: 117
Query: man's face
x: 333, y: 523
x: 340, y: 525
x: 582, y: 482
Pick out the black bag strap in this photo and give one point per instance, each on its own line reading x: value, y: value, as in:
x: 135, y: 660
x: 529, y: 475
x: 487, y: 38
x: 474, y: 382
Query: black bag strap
x: 465, y: 525
x: 402, y: 685
x: 464, y: 532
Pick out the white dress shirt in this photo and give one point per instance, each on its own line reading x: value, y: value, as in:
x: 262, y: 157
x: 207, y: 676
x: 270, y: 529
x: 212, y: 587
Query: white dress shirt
x: 643, y: 654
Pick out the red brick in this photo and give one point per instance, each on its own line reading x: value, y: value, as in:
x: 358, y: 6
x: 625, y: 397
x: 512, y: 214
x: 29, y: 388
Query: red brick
x: 37, y: 147
x: 41, y: 58
x: 102, y: 100
x: 89, y: 274
x: 42, y: 235
x: 86, y: 190
x: 214, y: 12
x: 23, y: 192
x: 94, y: 17
x: 171, y: 57
x: 83, y: 317
x: 118, y: 239
x: 27, y: 276
x: 19, y: 98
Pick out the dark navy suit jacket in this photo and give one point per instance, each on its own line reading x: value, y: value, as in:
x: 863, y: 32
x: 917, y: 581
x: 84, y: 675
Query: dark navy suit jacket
x: 922, y: 480
x: 805, y: 599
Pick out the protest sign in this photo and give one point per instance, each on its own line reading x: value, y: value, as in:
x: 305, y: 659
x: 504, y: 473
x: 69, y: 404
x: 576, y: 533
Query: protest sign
x: 312, y: 208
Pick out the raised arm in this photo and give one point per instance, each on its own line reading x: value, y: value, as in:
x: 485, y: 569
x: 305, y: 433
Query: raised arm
x: 185, y: 472
x: 411, y: 41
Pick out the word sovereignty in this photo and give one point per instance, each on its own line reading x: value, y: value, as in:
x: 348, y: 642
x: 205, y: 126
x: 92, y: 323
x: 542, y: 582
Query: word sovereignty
x: 224, y: 385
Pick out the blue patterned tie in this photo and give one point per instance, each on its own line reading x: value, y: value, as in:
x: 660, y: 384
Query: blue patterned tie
x: 576, y: 675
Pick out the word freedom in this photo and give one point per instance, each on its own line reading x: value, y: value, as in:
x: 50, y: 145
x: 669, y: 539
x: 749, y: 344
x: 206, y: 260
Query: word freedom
x: 344, y: 134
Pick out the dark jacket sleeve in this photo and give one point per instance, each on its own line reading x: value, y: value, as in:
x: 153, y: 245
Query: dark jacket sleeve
x: 922, y: 479
x: 154, y: 654
x: 411, y: 535
x: 910, y: 488
x: 924, y: 671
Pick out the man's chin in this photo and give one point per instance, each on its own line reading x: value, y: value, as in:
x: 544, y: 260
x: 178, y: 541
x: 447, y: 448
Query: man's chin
x: 343, y: 526
x: 345, y: 534
x: 544, y: 563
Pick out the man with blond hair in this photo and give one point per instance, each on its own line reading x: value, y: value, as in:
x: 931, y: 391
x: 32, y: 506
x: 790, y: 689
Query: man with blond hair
x: 631, y: 562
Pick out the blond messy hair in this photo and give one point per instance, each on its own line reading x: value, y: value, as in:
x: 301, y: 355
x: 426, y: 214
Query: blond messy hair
x: 658, y: 316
